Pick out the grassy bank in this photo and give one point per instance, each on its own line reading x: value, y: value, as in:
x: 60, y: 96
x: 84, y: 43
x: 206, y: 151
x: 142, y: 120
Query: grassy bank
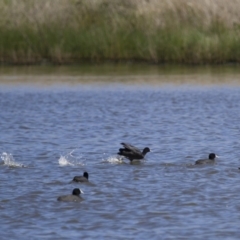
x: 166, y: 31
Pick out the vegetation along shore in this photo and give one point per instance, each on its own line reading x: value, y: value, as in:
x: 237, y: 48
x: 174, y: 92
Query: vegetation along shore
x: 166, y: 31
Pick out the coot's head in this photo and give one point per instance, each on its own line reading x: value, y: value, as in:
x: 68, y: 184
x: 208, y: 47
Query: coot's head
x: 146, y: 150
x: 77, y: 191
x: 85, y: 174
x: 212, y: 156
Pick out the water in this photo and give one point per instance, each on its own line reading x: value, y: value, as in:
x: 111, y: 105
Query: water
x: 51, y: 133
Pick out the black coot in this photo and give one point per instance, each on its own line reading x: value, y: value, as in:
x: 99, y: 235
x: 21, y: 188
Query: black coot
x: 74, y: 197
x: 81, y: 179
x: 130, y: 152
x: 211, y: 159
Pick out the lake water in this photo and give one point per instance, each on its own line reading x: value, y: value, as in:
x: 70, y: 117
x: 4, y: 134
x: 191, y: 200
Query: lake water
x: 57, y: 123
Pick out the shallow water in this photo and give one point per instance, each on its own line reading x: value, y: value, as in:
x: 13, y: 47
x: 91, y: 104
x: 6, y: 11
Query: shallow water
x: 50, y: 133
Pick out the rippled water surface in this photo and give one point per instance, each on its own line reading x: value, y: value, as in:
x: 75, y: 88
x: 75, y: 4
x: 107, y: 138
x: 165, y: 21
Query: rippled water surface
x: 49, y: 134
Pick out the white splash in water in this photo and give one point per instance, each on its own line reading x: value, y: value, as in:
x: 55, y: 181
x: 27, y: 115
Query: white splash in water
x: 64, y: 162
x: 9, y: 160
x: 114, y: 160
x: 70, y: 160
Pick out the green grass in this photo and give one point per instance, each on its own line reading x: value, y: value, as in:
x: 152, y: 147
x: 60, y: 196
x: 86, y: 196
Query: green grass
x: 73, y: 31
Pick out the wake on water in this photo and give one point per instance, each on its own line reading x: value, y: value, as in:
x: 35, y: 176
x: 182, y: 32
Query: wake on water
x: 74, y: 159
x: 9, y: 161
x: 114, y: 160
x: 65, y: 160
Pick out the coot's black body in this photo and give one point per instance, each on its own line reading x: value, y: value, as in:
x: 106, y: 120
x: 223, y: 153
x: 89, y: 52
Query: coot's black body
x: 81, y: 179
x: 132, y: 153
x: 211, y: 159
x: 74, y: 197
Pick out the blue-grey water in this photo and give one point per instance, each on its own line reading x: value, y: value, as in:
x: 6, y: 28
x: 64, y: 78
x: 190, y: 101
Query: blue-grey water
x: 51, y: 133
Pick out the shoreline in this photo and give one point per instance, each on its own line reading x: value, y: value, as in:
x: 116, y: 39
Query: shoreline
x: 115, y: 63
x: 129, y: 74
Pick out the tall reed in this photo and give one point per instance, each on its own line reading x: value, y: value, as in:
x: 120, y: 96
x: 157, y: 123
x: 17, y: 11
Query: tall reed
x: 166, y: 31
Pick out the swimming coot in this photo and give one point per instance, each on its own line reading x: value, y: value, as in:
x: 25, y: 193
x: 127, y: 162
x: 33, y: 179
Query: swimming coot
x: 211, y: 159
x: 74, y: 197
x: 130, y: 152
x: 81, y: 179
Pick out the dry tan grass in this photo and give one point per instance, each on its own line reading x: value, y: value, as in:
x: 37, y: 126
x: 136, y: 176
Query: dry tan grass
x: 157, y: 12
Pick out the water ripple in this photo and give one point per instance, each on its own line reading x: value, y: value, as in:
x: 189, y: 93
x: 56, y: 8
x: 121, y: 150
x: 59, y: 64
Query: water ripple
x: 55, y: 134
